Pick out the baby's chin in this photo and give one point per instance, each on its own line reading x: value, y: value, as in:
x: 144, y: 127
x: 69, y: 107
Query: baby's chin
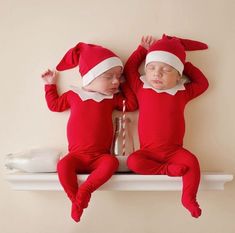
x: 111, y: 92
x: 108, y: 93
x: 158, y: 86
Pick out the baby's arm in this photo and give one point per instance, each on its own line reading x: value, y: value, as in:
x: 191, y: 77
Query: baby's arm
x: 129, y: 96
x: 131, y: 70
x: 55, y: 102
x: 198, y: 83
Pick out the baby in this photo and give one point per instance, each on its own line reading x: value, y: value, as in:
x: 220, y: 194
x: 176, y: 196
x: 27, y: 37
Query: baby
x: 89, y: 128
x: 162, y: 96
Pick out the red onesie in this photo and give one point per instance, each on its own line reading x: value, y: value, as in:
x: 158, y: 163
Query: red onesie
x: 89, y: 133
x: 161, y: 130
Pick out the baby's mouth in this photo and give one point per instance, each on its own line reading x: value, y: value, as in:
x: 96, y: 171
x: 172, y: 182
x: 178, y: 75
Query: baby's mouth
x: 157, y: 81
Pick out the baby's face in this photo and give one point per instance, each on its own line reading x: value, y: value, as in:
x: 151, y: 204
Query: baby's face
x: 106, y: 83
x: 161, y: 75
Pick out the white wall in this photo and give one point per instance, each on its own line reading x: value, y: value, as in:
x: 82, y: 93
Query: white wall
x: 34, y: 36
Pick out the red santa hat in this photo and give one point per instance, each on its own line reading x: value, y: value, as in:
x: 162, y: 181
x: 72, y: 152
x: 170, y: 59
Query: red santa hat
x: 93, y: 60
x: 171, y: 50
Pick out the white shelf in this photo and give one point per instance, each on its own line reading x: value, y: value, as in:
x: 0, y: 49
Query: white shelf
x: 118, y: 182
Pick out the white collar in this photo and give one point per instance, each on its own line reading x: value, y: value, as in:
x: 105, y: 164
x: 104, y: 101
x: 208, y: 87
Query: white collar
x: 88, y: 95
x: 172, y: 91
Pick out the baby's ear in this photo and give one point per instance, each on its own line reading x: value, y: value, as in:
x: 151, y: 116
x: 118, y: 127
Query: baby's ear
x: 122, y: 79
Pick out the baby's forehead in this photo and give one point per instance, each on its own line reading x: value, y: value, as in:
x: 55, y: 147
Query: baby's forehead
x: 158, y: 63
x: 115, y: 69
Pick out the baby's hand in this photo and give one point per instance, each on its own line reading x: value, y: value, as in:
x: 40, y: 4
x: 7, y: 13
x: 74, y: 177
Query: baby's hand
x: 49, y: 77
x: 147, y: 41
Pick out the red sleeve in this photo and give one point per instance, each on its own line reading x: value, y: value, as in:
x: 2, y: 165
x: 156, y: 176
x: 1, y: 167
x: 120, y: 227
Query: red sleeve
x: 129, y: 96
x: 131, y: 70
x: 198, y: 83
x: 55, y: 102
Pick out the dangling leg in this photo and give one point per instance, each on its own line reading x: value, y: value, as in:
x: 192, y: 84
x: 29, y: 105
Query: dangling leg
x: 149, y: 163
x: 191, y: 179
x: 102, y: 169
x: 67, y: 169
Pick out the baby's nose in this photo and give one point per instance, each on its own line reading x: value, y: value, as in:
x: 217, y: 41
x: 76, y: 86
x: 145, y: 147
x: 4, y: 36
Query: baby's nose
x: 157, y: 73
x: 115, y: 80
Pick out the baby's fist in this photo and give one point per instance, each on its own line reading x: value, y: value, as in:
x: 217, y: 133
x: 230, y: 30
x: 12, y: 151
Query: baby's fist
x: 49, y: 77
x: 147, y: 41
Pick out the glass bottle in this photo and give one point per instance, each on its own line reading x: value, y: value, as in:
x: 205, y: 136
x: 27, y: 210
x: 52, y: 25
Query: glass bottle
x: 123, y: 144
x: 33, y: 160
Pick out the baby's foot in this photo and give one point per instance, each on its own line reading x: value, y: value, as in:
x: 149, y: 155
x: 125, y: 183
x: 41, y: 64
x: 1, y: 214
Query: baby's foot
x: 193, y: 208
x: 176, y: 170
x: 83, y: 198
x: 76, y: 212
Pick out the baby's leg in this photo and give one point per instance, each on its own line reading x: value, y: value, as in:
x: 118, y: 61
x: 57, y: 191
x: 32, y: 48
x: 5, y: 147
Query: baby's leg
x: 191, y: 179
x: 149, y: 163
x: 101, y: 171
x: 67, y: 168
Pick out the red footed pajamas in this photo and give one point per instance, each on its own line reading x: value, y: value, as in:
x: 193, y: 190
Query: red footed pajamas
x: 161, y: 130
x: 89, y: 133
